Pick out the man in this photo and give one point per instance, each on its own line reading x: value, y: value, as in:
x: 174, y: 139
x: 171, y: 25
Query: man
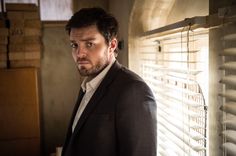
x: 116, y: 112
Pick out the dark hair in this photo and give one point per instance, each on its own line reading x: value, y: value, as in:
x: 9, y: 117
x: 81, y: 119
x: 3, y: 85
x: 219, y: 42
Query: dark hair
x: 107, y: 24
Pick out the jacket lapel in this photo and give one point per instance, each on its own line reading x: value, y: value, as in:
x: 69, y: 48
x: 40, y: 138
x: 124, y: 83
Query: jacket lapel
x: 69, y: 131
x: 97, y: 96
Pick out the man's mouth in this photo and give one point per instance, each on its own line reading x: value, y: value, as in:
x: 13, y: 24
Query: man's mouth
x: 83, y: 61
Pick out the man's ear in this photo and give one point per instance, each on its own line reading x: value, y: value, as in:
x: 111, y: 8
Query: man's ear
x: 113, y: 45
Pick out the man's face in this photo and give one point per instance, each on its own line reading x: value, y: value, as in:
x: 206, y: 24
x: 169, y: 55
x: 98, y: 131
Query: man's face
x: 90, y: 51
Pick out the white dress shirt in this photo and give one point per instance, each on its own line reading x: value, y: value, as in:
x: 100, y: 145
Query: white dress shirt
x: 89, y: 87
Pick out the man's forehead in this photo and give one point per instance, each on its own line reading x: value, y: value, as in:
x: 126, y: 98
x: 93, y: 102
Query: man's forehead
x: 85, y: 29
x: 90, y: 33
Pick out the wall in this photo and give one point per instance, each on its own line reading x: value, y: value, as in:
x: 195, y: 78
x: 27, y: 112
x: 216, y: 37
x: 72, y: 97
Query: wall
x: 215, y: 4
x: 78, y: 4
x: 186, y: 9
x: 123, y: 18
x: 60, y: 83
x: 146, y: 15
x: 214, y: 101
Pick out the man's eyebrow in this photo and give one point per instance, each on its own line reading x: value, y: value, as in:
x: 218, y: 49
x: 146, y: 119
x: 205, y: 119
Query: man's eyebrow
x: 88, y: 39
x: 85, y: 39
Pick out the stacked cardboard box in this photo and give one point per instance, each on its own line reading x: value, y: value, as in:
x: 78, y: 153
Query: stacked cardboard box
x: 19, y: 112
x: 24, y: 35
x: 3, y: 44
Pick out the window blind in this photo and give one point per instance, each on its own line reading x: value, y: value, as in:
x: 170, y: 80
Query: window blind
x: 228, y: 95
x: 176, y: 68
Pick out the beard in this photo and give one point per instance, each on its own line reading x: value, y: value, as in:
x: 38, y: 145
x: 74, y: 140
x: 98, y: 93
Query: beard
x: 96, y: 68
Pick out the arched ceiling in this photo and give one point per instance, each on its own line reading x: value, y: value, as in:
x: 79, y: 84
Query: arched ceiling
x: 149, y: 14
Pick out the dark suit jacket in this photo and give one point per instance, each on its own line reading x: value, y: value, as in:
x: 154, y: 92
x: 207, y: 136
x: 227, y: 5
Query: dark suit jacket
x: 119, y: 120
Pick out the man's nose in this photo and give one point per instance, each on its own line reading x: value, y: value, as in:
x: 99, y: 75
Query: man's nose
x: 81, y: 52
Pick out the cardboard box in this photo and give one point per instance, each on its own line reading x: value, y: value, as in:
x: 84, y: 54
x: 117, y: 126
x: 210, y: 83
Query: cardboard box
x: 22, y: 15
x: 19, y: 112
x: 25, y: 39
x: 32, y: 55
x: 21, y: 7
x: 33, y: 24
x: 3, y: 64
x: 19, y: 23
x: 15, y: 23
x: 2, y: 23
x: 19, y: 109
x: 3, y: 48
x: 24, y: 56
x: 4, y: 40
x: 14, y: 48
x: 25, y: 63
x: 3, y: 56
x: 4, y: 32
x: 33, y: 32
x: 25, y: 32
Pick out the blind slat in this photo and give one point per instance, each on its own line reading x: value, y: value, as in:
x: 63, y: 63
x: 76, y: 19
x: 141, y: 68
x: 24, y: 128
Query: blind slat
x: 177, y: 70
x: 170, y: 144
x: 182, y: 127
x: 230, y: 135
x: 177, y: 114
x: 229, y: 52
x: 229, y: 94
x: 184, y: 111
x: 178, y: 98
x: 230, y: 123
x: 228, y: 66
x: 229, y: 107
x: 230, y: 37
x: 230, y: 148
x: 169, y: 102
x: 230, y: 80
x: 179, y: 61
x: 167, y: 151
x: 180, y: 52
x: 180, y: 117
x: 180, y: 135
x: 178, y: 142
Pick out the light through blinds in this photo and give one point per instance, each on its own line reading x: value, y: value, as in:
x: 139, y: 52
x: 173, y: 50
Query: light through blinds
x: 176, y: 68
x: 228, y: 80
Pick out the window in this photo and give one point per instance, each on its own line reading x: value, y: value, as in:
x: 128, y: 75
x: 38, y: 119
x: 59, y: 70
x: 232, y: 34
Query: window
x: 175, y: 65
x: 54, y: 10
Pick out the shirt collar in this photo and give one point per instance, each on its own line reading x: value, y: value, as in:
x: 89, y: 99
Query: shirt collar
x: 88, y: 85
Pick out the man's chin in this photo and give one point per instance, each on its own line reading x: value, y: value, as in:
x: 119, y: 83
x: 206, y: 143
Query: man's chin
x: 91, y: 72
x: 83, y: 72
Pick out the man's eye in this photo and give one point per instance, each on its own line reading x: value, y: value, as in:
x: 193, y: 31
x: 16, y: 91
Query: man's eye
x: 89, y: 44
x: 73, y: 45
